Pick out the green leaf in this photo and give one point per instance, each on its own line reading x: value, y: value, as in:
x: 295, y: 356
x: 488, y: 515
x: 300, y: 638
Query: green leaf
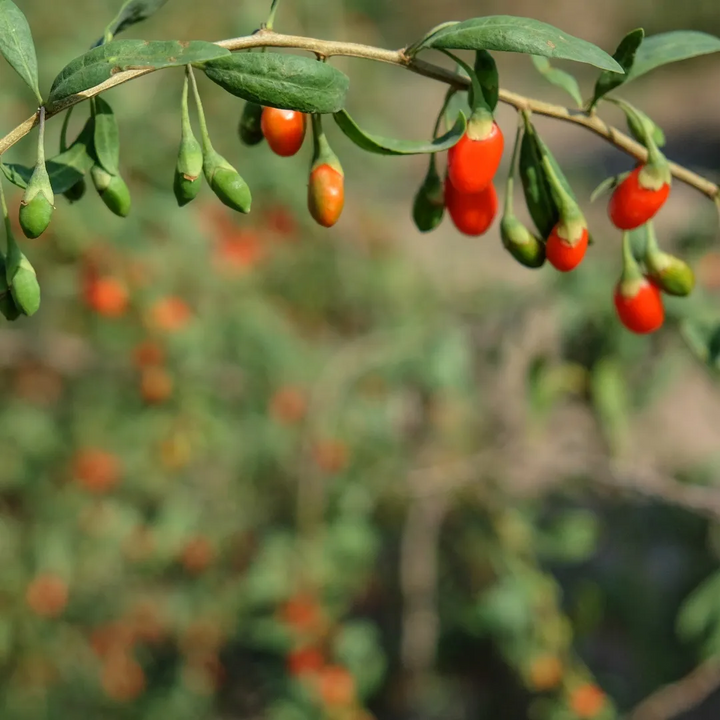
x: 625, y: 55
x: 65, y: 169
x: 132, y: 12
x: 558, y: 77
x: 639, y: 130
x: 101, y: 63
x: 536, y: 188
x: 516, y: 34
x: 703, y: 339
x: 388, y: 146
x: 487, y: 75
x: 291, y: 82
x: 106, y: 137
x: 16, y: 44
x: 658, y: 50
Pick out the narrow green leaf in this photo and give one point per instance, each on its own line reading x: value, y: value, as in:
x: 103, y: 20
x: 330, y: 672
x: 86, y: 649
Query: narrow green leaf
x: 101, y: 63
x: 65, y: 169
x: 16, y: 44
x: 292, y: 82
x: 658, y: 50
x: 625, y: 55
x: 536, y: 188
x: 132, y: 12
x: 487, y: 75
x: 388, y: 146
x: 558, y: 77
x: 107, y: 137
x: 524, y: 35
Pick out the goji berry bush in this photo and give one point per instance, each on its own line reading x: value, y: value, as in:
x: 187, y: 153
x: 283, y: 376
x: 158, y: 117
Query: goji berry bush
x: 318, y: 423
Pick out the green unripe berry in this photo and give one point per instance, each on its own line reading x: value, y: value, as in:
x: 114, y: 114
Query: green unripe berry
x: 77, y: 191
x: 112, y: 189
x: 249, y: 129
x: 7, y: 304
x: 521, y: 243
x: 188, y: 171
x: 25, y: 288
x: 671, y: 274
x: 35, y: 216
x: 227, y: 183
x: 429, y: 204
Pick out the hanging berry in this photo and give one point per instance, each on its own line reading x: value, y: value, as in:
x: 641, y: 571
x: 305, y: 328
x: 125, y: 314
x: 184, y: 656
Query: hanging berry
x: 671, y: 274
x: 429, y: 204
x: 474, y: 160
x: 642, y: 193
x: 189, y: 168
x: 36, y: 207
x: 637, y: 300
x: 326, y: 189
x: 471, y: 213
x: 527, y: 249
x: 283, y: 129
x: 249, y: 128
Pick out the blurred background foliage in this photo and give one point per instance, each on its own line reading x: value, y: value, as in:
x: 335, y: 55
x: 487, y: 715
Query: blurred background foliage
x: 254, y: 469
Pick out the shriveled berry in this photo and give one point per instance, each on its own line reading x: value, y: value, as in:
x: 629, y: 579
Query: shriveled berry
x: 472, y: 163
x: 639, y: 306
x: 632, y: 205
x: 284, y: 130
x: 562, y: 254
x: 472, y: 214
x: 326, y: 194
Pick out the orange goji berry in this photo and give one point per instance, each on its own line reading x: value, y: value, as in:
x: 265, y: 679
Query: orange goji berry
x: 587, y: 700
x: 302, y: 613
x: 331, y: 456
x: 632, y: 205
x: 336, y: 686
x: 156, y: 385
x: 148, y: 352
x: 545, y: 672
x: 47, y: 595
x: 96, y: 470
x: 473, y: 162
x: 326, y: 194
x: 107, y: 296
x: 122, y: 677
x: 284, y: 130
x: 288, y: 405
x: 472, y: 214
x: 639, y: 306
x: 170, y: 314
x: 305, y: 661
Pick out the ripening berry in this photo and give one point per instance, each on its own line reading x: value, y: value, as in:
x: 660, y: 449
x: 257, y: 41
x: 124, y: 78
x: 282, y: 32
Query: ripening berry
x: 545, y: 673
x: 122, y: 677
x: 284, y: 130
x: 96, y: 470
x: 156, y: 385
x: 331, y: 456
x: 303, y: 614
x: 639, y: 306
x: 170, y: 314
x: 471, y: 214
x: 326, y: 194
x: 197, y: 555
x: 587, y: 701
x: 47, y: 595
x: 632, y: 205
x: 107, y: 296
x: 305, y: 661
x: 287, y: 405
x: 561, y: 254
x: 336, y: 686
x: 148, y: 353
x: 472, y: 164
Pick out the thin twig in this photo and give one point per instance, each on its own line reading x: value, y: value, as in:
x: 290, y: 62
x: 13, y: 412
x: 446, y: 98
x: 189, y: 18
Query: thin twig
x: 671, y: 700
x: 329, y: 48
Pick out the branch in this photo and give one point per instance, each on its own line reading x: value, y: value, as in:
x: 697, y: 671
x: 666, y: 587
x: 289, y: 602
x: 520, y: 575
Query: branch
x: 329, y: 48
x: 683, y: 695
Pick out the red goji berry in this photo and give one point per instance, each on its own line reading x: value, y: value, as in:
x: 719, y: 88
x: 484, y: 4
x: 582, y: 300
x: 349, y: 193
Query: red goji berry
x: 562, y: 254
x: 639, y: 306
x: 284, y: 130
x: 632, y: 205
x: 473, y: 162
x: 471, y: 213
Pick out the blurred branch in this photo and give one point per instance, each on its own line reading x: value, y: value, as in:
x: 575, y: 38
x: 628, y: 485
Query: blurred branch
x: 683, y: 695
x: 329, y: 48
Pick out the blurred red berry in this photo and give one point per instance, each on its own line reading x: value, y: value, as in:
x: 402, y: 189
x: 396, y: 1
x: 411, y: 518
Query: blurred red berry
x: 96, y: 470
x: 47, y: 595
